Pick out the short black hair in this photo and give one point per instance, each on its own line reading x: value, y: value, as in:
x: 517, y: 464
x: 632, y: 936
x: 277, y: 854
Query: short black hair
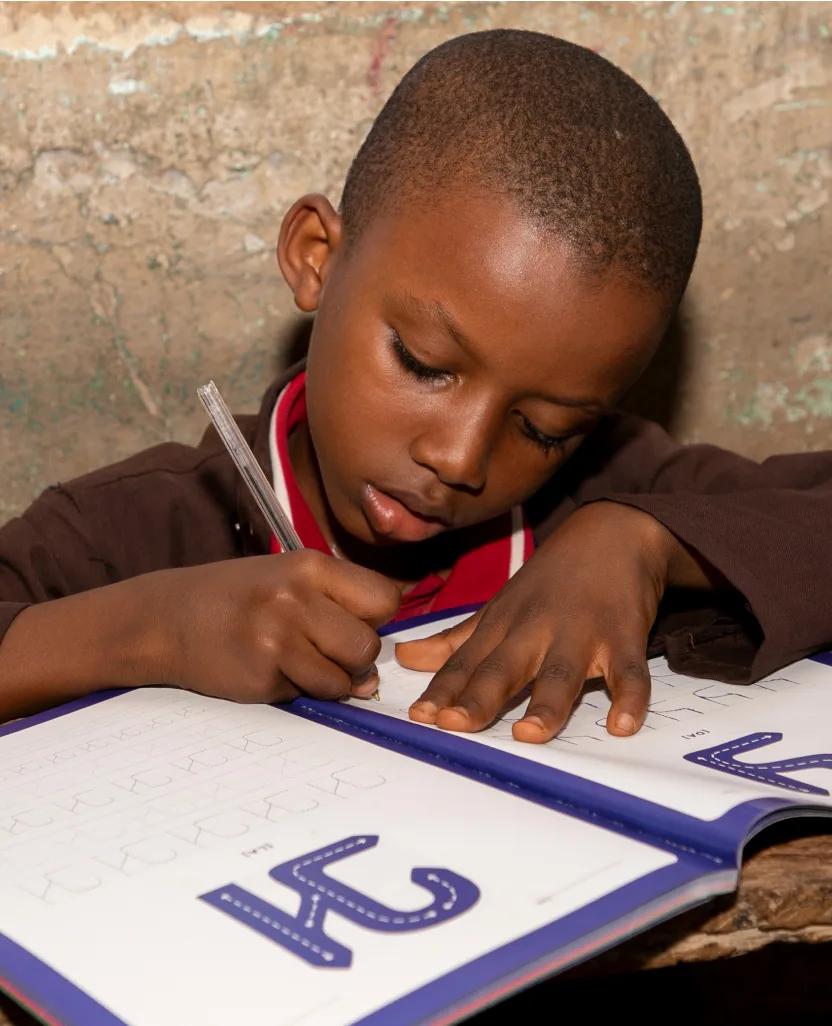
x: 576, y: 142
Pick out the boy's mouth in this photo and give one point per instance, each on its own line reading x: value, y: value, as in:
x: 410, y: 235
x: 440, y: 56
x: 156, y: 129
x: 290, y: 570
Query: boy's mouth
x: 395, y: 518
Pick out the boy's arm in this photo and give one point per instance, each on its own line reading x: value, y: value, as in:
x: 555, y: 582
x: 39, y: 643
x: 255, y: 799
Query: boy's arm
x: 54, y: 651
x: 763, y: 529
x: 45, y: 554
x: 646, y: 517
x: 168, y: 506
x: 97, y: 594
x: 65, y: 628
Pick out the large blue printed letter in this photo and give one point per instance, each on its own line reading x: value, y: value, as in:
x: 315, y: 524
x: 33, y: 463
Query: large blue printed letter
x: 303, y: 934
x: 724, y: 758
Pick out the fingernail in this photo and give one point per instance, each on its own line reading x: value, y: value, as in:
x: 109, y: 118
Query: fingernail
x: 365, y: 690
x: 426, y: 708
x: 535, y: 721
x: 366, y: 684
x: 625, y: 722
x: 462, y: 711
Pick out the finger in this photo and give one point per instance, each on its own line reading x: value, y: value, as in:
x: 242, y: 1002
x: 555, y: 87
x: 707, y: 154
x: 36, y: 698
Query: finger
x: 339, y: 635
x: 556, y: 685
x: 430, y: 654
x: 313, y: 673
x: 366, y: 684
x: 450, y: 681
x: 500, y: 675
x: 629, y: 684
x: 362, y: 592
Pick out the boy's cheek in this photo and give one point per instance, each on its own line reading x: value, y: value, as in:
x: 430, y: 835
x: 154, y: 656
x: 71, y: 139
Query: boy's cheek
x: 345, y: 505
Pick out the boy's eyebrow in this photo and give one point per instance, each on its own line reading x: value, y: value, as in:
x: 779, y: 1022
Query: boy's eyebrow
x: 436, y: 311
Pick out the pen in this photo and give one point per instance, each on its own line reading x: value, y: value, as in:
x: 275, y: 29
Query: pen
x: 250, y: 470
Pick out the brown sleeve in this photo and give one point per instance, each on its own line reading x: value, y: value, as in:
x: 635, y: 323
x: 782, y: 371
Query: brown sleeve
x: 766, y: 527
x: 45, y: 554
x: 171, y: 506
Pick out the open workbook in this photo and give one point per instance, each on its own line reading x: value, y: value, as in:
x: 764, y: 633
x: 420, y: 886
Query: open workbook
x: 173, y: 860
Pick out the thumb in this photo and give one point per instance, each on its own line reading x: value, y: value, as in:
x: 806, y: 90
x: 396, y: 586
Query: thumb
x: 431, y: 654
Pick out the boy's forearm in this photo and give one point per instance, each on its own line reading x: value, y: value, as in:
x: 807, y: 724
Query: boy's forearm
x: 59, y: 650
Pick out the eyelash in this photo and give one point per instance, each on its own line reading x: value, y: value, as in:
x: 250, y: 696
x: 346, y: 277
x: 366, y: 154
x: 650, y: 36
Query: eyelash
x: 411, y: 364
x: 408, y: 361
x: 548, y: 443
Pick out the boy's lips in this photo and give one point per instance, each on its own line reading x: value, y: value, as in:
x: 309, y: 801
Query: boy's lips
x: 401, y: 517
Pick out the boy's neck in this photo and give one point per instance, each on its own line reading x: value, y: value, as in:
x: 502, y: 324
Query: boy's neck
x: 404, y: 564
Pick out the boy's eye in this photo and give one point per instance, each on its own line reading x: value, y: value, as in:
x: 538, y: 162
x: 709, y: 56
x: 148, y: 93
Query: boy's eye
x: 410, y: 363
x: 548, y: 443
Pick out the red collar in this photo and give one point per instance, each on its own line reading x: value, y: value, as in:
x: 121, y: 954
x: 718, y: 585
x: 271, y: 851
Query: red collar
x: 498, y: 548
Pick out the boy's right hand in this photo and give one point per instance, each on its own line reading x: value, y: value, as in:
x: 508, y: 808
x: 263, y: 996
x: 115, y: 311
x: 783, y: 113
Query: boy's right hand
x: 264, y: 628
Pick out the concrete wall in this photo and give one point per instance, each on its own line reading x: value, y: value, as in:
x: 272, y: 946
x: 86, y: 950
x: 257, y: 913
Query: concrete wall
x: 148, y: 150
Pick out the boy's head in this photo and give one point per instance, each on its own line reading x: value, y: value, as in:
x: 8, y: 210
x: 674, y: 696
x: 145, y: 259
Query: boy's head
x: 514, y: 235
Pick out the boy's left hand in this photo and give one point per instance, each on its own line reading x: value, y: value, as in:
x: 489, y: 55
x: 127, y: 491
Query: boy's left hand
x: 582, y: 607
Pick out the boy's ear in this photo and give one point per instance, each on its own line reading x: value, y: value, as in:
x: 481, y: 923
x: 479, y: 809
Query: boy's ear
x: 309, y: 237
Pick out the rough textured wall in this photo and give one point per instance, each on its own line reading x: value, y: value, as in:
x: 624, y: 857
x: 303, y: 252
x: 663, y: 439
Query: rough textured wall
x: 148, y: 150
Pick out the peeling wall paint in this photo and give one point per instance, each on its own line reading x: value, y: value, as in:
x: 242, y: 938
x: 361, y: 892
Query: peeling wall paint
x: 41, y: 37
x: 149, y: 150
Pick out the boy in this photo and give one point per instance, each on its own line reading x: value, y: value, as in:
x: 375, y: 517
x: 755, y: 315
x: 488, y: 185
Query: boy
x: 514, y: 236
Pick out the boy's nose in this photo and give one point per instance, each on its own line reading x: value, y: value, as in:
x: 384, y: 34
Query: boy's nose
x: 457, y: 450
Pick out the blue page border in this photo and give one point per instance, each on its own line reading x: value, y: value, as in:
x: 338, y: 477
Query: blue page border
x: 519, y: 963
x: 30, y: 982
x: 637, y: 818
x: 48, y: 995
x: 719, y: 841
x: 549, y: 949
x: 59, y: 1002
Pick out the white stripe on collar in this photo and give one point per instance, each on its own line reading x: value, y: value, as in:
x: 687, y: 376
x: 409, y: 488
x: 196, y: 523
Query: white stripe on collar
x: 278, y: 474
x: 518, y: 541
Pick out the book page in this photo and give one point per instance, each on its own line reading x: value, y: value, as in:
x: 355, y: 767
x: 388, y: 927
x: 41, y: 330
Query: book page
x: 702, y: 744
x: 186, y: 860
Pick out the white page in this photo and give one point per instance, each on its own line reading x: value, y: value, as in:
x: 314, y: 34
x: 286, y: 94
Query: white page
x: 114, y: 820
x: 686, y: 715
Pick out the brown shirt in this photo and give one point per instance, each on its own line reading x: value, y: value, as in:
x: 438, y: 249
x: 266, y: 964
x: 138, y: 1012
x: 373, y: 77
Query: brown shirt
x: 766, y: 527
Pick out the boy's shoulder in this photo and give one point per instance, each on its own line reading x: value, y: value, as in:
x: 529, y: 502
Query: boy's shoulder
x: 152, y: 482
x: 172, y: 504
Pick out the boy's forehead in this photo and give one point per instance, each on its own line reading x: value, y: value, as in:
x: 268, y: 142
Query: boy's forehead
x: 470, y: 265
